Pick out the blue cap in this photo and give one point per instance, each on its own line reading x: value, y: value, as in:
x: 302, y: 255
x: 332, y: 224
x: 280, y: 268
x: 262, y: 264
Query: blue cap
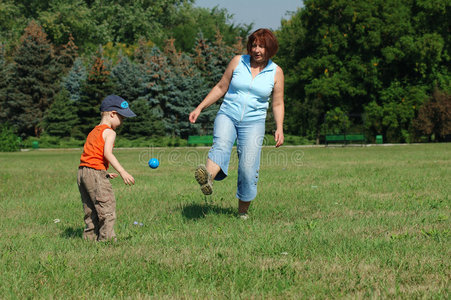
x: 118, y: 104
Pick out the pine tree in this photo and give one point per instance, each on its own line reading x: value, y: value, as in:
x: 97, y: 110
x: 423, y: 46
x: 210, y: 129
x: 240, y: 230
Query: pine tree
x: 127, y: 79
x: 35, y: 78
x: 145, y: 124
x: 97, y: 86
x: 183, y: 90
x: 204, y: 59
x: 75, y: 79
x: 61, y: 116
x: 155, y: 69
x: 212, y: 60
x: 68, y: 54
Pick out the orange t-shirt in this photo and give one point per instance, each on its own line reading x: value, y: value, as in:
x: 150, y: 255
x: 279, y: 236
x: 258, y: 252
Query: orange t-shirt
x: 92, y: 156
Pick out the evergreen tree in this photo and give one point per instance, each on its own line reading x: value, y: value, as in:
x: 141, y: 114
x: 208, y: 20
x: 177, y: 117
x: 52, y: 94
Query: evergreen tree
x: 212, y: 60
x: 75, y: 79
x: 173, y: 88
x: 97, y: 86
x: 145, y: 124
x: 154, y: 68
x: 183, y: 90
x: 34, y: 81
x: 61, y: 116
x: 127, y: 79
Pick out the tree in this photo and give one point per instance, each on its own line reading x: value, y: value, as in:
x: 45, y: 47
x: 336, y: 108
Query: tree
x: 212, y: 59
x: 350, y: 54
x: 336, y: 122
x: 75, y: 79
x: 128, y: 21
x: 67, y: 55
x: 97, y: 86
x: 64, y: 18
x: 145, y: 124
x: 11, y: 22
x: 183, y: 88
x: 6, y: 72
x: 189, y: 21
x: 34, y: 81
x: 61, y: 116
x: 393, y: 114
x: 127, y: 78
x: 173, y: 87
x: 434, y: 117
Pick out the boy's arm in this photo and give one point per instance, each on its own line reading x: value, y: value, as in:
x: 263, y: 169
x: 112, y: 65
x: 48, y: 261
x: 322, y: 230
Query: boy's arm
x: 110, y: 136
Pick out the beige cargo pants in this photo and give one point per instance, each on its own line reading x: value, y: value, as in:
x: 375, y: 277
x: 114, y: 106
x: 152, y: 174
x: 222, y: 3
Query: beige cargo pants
x: 99, y: 204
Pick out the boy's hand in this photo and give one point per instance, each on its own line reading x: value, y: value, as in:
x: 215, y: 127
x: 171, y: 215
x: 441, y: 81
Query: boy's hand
x: 128, y: 179
x: 112, y: 175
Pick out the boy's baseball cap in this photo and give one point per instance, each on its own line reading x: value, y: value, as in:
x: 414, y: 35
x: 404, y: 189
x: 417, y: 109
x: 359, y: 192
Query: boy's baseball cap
x: 116, y: 103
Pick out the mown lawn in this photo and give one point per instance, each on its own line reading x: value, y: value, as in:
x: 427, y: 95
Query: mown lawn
x: 336, y: 222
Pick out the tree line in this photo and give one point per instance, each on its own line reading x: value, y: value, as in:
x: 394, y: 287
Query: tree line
x: 59, y: 94
x: 377, y: 67
x: 56, y: 90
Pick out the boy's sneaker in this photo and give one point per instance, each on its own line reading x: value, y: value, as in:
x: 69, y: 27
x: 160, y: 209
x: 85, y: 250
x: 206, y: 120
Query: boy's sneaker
x: 243, y: 216
x: 203, y: 177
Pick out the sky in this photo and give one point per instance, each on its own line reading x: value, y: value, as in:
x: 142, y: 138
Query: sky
x: 263, y: 13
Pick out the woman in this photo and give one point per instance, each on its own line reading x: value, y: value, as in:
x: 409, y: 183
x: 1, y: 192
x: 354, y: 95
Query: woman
x: 247, y: 84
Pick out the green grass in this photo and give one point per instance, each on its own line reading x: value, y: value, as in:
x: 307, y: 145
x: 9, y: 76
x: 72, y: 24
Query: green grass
x: 352, y: 222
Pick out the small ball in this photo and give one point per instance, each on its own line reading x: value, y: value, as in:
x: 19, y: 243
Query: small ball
x: 154, y: 163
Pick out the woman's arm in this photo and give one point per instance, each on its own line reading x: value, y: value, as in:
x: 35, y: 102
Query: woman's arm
x: 217, y: 91
x: 278, y: 107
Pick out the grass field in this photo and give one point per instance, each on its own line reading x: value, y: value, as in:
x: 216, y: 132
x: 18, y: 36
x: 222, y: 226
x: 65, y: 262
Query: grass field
x: 352, y: 222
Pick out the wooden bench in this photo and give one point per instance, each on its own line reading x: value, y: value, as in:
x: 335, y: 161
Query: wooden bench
x: 200, y: 140
x: 345, y: 138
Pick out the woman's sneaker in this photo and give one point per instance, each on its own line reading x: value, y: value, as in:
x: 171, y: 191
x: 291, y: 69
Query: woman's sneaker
x: 203, y: 177
x: 243, y: 216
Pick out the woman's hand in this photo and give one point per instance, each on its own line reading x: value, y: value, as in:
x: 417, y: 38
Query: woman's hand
x: 279, y: 138
x: 194, y: 115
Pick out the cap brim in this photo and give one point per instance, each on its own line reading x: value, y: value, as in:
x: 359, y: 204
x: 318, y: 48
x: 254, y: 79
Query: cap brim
x: 128, y: 113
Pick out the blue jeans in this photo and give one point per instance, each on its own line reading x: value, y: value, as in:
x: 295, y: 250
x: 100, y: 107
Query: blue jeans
x: 249, y: 136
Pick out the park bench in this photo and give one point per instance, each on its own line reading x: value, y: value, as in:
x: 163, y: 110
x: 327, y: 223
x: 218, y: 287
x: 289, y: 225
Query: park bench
x: 200, y: 140
x: 345, y: 138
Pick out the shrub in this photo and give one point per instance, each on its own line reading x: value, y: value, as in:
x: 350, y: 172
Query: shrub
x: 9, y: 141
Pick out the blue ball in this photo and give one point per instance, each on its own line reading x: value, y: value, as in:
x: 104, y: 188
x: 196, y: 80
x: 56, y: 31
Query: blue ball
x: 154, y: 163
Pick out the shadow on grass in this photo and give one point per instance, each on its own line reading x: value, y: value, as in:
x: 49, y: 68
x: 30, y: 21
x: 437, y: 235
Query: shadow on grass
x: 72, y: 233
x: 197, y: 211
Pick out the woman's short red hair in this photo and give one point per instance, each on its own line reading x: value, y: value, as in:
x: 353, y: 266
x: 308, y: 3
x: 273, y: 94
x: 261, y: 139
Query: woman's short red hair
x: 266, y: 37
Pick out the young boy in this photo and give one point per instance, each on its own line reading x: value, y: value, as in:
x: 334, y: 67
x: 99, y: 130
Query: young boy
x: 97, y: 195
